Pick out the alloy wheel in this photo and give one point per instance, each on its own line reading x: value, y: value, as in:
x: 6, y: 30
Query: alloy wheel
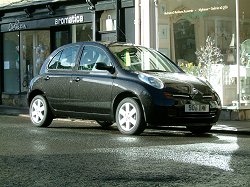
x: 40, y: 112
x: 127, y: 116
x: 37, y: 110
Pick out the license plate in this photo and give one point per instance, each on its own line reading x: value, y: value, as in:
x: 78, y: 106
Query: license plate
x: 196, y: 108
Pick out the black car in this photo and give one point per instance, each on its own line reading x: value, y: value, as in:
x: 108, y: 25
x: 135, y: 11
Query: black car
x: 132, y: 86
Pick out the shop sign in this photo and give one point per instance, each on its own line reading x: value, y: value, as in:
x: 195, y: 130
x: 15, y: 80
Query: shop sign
x: 69, y: 20
x: 17, y: 26
x: 213, y: 8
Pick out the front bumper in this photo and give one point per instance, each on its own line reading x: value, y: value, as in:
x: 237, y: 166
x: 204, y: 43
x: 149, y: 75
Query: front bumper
x: 176, y: 115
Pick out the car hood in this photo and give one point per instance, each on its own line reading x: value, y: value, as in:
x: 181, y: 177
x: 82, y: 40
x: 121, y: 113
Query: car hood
x: 182, y: 83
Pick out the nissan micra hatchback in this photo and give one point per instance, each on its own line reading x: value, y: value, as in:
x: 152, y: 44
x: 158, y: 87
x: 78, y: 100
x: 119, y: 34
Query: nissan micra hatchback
x: 132, y: 86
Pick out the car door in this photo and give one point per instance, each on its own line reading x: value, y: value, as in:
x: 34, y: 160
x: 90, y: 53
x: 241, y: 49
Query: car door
x: 58, y: 77
x: 91, y: 89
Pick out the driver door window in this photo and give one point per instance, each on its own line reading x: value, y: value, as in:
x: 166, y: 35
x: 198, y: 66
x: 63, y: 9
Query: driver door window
x: 90, y: 56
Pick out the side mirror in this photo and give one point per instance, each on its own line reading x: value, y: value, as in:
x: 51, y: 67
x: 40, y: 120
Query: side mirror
x: 103, y: 66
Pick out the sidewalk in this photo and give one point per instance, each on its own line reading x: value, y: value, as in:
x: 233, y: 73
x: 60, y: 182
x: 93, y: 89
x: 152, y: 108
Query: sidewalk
x: 235, y: 127
x: 13, y: 111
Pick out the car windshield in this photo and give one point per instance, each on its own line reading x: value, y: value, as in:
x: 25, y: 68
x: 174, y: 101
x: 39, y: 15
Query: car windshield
x: 135, y: 58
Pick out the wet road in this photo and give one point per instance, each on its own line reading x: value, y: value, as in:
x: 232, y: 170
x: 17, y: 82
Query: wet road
x: 82, y: 154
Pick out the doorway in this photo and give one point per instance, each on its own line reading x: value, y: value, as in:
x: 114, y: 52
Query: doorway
x: 34, y: 49
x: 184, y: 37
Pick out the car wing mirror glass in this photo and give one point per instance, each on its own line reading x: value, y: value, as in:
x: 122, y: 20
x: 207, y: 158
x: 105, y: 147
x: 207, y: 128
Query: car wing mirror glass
x: 103, y: 66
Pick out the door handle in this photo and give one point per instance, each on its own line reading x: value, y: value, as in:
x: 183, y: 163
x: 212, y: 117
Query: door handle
x: 47, y: 78
x: 77, y: 79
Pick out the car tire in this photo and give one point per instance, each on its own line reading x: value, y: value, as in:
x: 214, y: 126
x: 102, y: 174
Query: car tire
x: 40, y: 113
x: 129, y: 117
x: 105, y: 124
x: 199, y: 129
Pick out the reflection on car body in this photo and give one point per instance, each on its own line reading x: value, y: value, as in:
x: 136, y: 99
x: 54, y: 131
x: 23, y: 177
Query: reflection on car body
x: 120, y: 83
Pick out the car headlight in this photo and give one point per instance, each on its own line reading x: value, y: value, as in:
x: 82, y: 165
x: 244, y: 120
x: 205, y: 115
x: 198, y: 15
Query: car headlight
x: 152, y: 81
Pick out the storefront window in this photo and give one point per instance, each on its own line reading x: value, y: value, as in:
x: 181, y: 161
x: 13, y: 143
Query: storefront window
x: 72, y: 33
x: 61, y: 37
x: 201, y: 37
x: 244, y: 16
x: 11, y: 62
x: 83, y: 32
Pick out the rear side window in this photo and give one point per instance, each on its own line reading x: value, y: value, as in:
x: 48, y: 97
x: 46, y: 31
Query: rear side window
x: 64, y: 59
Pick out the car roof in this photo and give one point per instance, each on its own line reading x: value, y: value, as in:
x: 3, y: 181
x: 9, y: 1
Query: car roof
x: 104, y: 43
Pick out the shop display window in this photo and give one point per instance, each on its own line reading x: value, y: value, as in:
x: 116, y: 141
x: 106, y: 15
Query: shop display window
x: 244, y: 52
x: 61, y: 37
x: 191, y: 29
x: 82, y: 32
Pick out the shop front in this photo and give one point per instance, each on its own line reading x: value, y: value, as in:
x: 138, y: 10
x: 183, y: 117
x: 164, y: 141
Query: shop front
x: 30, y: 32
x: 207, y: 38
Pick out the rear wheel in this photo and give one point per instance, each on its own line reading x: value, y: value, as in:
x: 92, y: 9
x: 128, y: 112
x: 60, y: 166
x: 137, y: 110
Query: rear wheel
x: 129, y: 117
x: 199, y: 129
x: 40, y: 113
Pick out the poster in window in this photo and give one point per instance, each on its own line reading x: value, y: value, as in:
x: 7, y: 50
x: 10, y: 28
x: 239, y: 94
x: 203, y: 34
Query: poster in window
x: 163, y: 31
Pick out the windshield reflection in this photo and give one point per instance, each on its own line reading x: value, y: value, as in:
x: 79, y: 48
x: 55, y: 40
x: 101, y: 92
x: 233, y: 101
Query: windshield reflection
x: 136, y: 58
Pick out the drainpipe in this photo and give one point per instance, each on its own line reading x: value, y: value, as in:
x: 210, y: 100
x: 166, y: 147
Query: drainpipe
x: 118, y: 20
x: 94, y: 26
x: 91, y: 4
x: 156, y: 25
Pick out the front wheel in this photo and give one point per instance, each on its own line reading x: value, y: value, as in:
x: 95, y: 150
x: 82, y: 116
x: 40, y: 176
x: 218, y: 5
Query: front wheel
x: 129, y: 117
x: 199, y: 129
x: 40, y: 113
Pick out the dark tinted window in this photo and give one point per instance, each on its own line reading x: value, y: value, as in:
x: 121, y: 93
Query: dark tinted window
x: 65, y: 59
x: 90, y: 56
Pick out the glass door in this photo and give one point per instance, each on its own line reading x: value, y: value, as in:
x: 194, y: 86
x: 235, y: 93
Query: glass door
x: 34, y: 49
x: 184, y: 38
